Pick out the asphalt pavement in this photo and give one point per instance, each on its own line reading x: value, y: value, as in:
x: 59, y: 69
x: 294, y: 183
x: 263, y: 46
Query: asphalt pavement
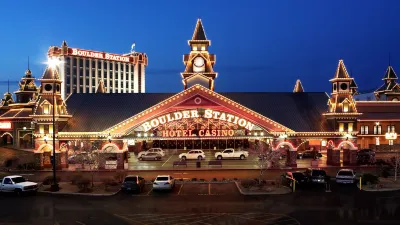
x: 204, y: 204
x: 166, y: 163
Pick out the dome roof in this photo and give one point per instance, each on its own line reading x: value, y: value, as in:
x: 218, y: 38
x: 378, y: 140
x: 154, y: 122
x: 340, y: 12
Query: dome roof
x: 28, y: 72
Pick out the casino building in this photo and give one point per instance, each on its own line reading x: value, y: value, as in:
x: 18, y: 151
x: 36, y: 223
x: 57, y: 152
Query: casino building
x: 199, y: 117
x: 86, y: 71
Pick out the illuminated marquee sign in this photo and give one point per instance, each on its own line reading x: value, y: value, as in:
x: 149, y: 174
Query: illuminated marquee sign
x: 200, y: 133
x: 187, y: 114
x: 99, y: 55
x: 5, y: 125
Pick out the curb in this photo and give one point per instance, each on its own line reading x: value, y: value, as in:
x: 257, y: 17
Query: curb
x: 256, y: 193
x: 78, y: 194
x: 377, y: 190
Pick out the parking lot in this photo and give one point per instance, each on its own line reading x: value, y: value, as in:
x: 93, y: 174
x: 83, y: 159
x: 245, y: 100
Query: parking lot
x: 173, y: 155
x: 192, y: 189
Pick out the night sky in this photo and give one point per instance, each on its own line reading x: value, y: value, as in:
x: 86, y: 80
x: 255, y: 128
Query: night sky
x: 260, y: 45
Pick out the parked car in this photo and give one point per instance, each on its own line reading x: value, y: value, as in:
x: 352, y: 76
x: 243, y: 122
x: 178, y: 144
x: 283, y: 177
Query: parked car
x: 18, y: 185
x: 193, y: 154
x: 365, y: 156
x: 315, y: 176
x: 298, y: 176
x: 151, y: 150
x: 164, y: 182
x: 150, y: 156
x: 133, y: 183
x: 346, y: 176
x: 309, y: 154
x: 231, y: 153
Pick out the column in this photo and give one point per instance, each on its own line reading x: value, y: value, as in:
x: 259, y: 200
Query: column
x: 335, y: 157
x: 346, y: 157
x: 77, y: 75
x: 96, y: 75
x: 136, y: 78
x: 291, y: 158
x: 124, y: 77
x: 119, y: 77
x: 90, y: 77
x: 129, y: 78
x: 142, y: 78
x: 84, y: 75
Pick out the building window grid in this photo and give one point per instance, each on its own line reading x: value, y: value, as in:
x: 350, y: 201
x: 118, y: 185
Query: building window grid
x: 377, y: 129
x: 391, y: 129
x: 364, y: 129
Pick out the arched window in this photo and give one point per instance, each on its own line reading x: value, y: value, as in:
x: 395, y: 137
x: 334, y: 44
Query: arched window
x: 345, y: 106
x: 395, y: 100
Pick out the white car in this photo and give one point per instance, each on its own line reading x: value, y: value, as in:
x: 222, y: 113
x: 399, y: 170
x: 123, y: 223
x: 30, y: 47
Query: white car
x: 231, y: 153
x: 164, y: 182
x: 346, y: 176
x: 152, y: 150
x: 193, y: 154
x: 18, y: 185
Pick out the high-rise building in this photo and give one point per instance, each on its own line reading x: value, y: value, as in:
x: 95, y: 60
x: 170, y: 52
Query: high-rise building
x: 82, y: 70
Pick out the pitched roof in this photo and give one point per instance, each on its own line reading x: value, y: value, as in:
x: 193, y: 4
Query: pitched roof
x: 100, y: 87
x: 199, y: 34
x: 341, y: 71
x: 97, y: 112
x: 50, y: 74
x: 353, y: 84
x: 298, y: 87
x: 390, y: 74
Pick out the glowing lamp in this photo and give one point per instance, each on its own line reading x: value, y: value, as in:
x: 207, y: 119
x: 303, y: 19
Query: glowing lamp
x: 53, y: 62
x: 391, y: 136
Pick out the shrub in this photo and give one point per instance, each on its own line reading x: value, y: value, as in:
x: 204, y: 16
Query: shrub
x: 368, y: 178
x: 119, y: 176
x: 110, y: 182
x: 83, y: 185
x: 202, y: 180
x: 75, y: 178
x: 214, y: 179
x: 223, y: 179
x: 180, y: 179
x: 235, y: 179
x: 49, y: 180
x: 194, y: 179
x: 248, y: 183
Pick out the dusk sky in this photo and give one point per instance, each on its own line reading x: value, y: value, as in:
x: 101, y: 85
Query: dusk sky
x: 260, y: 45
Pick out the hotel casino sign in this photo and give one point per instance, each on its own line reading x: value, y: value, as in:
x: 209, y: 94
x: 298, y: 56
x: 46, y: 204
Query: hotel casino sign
x: 198, y: 122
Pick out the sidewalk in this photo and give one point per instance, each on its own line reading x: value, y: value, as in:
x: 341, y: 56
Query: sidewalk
x: 385, y: 184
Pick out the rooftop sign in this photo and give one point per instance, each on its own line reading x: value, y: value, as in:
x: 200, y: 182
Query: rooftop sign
x: 98, y: 55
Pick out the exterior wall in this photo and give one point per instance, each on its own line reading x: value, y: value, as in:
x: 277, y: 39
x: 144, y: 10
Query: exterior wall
x: 369, y: 140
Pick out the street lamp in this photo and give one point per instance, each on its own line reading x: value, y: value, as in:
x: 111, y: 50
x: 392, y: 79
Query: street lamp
x: 284, y: 136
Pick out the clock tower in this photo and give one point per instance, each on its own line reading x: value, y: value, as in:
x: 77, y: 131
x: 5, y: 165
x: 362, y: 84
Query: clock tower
x: 199, y: 62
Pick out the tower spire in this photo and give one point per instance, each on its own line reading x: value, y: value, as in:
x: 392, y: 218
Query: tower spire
x: 298, y: 87
x: 8, y: 86
x: 199, y: 34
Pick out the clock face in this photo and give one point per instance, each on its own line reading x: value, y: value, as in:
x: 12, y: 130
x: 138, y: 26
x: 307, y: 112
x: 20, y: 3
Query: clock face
x: 199, y: 61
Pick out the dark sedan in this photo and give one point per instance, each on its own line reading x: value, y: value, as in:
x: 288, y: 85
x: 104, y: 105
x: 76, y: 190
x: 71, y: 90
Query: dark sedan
x: 133, y: 183
x: 298, y: 176
x: 309, y: 154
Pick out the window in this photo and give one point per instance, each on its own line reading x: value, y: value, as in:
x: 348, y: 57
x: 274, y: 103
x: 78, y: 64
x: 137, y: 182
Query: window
x: 377, y: 129
x: 364, y: 129
x: 350, y: 127
x: 390, y: 129
x: 87, y: 63
x: 343, y: 86
x: 46, y: 109
x: 7, y: 181
x: 80, y: 62
x: 341, y: 127
x: 75, y: 60
x: 41, y: 129
x: 93, y: 64
x: 345, y: 106
x: 390, y: 142
x: 106, y: 66
x: 50, y: 128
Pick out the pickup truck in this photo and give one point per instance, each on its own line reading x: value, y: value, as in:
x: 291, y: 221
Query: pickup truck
x: 231, y: 153
x: 18, y: 185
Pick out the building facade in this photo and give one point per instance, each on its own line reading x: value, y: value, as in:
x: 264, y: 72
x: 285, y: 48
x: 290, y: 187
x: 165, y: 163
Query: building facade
x: 199, y: 117
x: 82, y: 71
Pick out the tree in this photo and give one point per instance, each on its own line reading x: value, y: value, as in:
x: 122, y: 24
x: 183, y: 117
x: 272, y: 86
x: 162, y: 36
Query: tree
x: 267, y: 157
x: 396, y: 164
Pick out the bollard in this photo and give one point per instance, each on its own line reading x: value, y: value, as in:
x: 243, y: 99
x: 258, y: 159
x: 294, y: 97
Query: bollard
x: 294, y: 185
x: 360, y: 184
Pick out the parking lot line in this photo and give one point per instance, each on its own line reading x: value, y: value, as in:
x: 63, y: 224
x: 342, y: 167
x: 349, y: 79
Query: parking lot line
x: 131, y: 220
x: 167, y: 160
x: 180, y: 189
x: 148, y: 193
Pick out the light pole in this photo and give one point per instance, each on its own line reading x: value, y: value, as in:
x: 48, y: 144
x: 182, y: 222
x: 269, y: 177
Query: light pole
x: 392, y: 136
x: 54, y: 186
